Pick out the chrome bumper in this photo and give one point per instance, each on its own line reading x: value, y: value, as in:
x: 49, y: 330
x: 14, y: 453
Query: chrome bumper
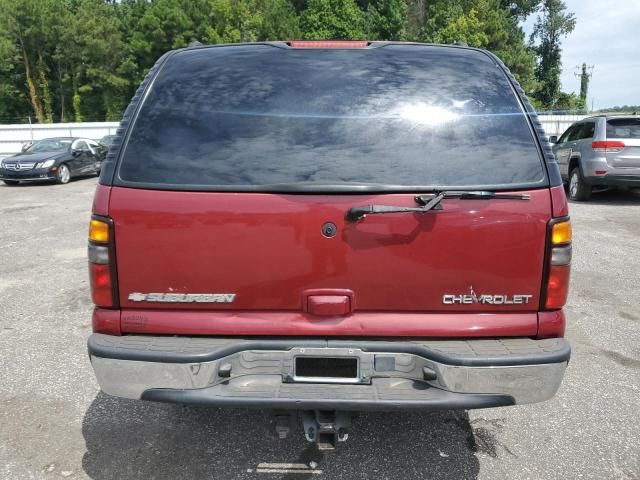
x: 261, y: 373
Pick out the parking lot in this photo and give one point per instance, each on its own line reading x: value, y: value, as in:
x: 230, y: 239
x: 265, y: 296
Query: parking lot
x: 55, y: 422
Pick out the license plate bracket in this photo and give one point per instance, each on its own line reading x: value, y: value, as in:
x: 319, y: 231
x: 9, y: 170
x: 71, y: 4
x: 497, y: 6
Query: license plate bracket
x: 326, y: 369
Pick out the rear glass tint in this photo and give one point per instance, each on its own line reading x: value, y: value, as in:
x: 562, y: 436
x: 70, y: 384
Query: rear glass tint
x: 260, y: 117
x: 587, y: 130
x: 623, y: 128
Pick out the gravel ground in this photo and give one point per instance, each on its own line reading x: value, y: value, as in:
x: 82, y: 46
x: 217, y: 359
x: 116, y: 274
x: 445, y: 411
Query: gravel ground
x: 55, y: 423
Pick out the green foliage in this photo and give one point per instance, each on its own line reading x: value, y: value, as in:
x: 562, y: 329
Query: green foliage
x: 520, y: 8
x: 12, y: 97
x: 81, y: 60
x: 97, y: 66
x: 332, y: 20
x: 386, y: 20
x: 77, y: 101
x: 551, y: 27
x: 568, y: 101
x: 483, y: 24
x: 279, y: 20
x: 167, y: 24
x: 449, y: 22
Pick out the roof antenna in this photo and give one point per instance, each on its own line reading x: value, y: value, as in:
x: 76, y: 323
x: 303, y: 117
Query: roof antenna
x: 460, y: 43
x: 194, y: 43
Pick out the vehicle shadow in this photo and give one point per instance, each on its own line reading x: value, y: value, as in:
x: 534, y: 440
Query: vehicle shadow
x: 134, y: 439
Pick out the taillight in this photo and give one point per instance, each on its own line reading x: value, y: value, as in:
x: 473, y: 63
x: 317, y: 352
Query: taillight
x: 101, y: 286
x: 607, y: 146
x: 102, y: 263
x: 559, y: 264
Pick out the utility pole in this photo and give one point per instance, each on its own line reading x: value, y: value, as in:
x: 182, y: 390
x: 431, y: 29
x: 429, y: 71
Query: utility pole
x: 585, y: 75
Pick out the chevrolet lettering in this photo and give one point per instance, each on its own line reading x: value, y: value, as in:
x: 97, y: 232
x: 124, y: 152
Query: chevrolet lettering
x: 486, y: 299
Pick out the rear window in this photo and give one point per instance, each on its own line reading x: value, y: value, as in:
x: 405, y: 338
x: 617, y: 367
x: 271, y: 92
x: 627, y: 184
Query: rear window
x: 262, y: 118
x: 623, y: 128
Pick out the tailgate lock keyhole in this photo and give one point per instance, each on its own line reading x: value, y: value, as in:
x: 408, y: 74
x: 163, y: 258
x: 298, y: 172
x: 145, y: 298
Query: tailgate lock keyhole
x: 329, y: 229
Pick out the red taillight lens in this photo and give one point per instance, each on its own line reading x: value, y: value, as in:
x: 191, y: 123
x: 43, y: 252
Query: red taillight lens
x: 559, y: 264
x: 327, y: 44
x: 101, y: 263
x: 607, y: 146
x: 101, y: 286
x: 557, y: 287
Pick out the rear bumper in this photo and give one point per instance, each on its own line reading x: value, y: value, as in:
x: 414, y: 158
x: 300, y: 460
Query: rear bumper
x: 611, y: 180
x: 391, y: 375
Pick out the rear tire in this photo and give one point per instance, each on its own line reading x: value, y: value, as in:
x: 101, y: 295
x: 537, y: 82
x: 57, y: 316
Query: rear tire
x: 579, y: 190
x: 11, y: 183
x: 63, y: 175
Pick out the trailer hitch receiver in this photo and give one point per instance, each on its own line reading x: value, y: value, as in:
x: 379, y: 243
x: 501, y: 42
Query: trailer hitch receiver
x: 326, y: 428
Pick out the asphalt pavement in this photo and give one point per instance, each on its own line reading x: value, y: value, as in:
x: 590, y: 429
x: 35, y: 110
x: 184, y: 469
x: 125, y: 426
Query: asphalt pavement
x: 55, y: 422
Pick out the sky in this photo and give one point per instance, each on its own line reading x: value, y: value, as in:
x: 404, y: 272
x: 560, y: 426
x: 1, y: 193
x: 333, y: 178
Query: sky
x: 607, y: 36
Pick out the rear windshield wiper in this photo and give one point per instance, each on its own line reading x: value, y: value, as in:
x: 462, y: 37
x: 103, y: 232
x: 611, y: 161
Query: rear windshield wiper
x: 429, y: 202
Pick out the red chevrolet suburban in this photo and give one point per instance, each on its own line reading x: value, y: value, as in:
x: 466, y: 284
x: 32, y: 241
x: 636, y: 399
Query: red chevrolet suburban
x: 327, y: 227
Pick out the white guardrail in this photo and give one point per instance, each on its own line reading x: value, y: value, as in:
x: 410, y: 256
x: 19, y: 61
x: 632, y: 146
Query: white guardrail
x: 12, y: 137
x: 557, y: 124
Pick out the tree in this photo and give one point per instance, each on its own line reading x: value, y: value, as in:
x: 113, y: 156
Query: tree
x: 448, y: 22
x: 83, y: 59
x: 507, y: 40
x: 416, y: 18
x: 253, y: 20
x: 386, y: 20
x: 551, y: 27
x: 485, y: 24
x: 34, y: 29
x: 279, y: 20
x: 568, y: 102
x: 98, y: 69
x: 12, y: 98
x: 520, y: 8
x: 332, y: 20
x: 169, y: 24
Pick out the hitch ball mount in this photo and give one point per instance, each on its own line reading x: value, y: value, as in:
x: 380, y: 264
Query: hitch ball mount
x: 325, y: 428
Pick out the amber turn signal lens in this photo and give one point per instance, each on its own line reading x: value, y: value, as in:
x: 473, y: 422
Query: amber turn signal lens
x: 561, y: 233
x: 98, y: 231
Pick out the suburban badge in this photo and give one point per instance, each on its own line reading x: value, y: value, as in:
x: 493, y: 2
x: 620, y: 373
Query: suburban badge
x: 183, y: 297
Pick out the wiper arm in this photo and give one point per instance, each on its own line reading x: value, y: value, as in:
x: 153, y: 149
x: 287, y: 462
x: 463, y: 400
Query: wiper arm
x: 429, y: 202
x: 355, y: 214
